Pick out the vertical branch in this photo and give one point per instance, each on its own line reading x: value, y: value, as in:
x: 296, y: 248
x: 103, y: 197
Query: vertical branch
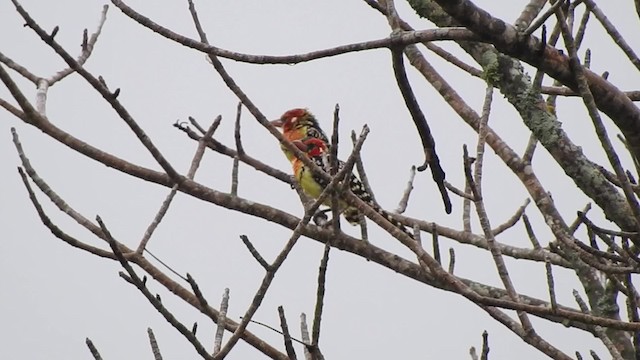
x: 333, y: 163
x: 582, y: 28
x: 485, y: 346
x: 222, y: 319
x: 466, y: 209
x: 322, y: 277
x: 436, y: 243
x: 483, y: 217
x: 482, y: 134
x: 41, y: 97
x: 360, y: 167
x: 632, y: 311
x: 550, y: 284
x: 239, y: 152
x: 452, y: 260
x: 304, y: 334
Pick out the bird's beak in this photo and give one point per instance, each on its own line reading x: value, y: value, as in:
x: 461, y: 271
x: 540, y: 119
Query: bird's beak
x: 277, y: 123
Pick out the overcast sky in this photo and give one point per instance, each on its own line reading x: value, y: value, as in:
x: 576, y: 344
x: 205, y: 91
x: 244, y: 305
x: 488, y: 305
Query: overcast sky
x: 54, y: 296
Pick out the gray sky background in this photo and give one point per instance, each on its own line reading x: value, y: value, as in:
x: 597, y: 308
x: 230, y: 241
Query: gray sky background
x: 54, y: 296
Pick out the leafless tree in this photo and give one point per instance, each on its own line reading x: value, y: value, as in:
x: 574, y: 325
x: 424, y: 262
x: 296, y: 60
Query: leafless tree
x: 603, y: 259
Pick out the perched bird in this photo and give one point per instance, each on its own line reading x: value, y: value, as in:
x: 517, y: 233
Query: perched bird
x: 313, y: 184
x: 299, y: 124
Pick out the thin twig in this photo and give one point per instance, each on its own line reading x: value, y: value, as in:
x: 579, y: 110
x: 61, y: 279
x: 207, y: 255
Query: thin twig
x: 93, y: 349
x: 297, y: 232
x: 483, y: 217
x: 485, y: 346
x: 632, y: 311
x: 473, y: 354
x: 304, y: 333
x: 322, y: 277
x: 582, y: 28
x: 541, y: 20
x: 404, y: 201
x: 362, y: 174
x: 594, y: 113
x: 154, y: 300
x: 277, y: 331
x: 452, y: 260
x: 222, y: 319
x: 463, y: 194
x: 155, y: 349
x: 550, y: 285
x: 512, y: 220
x: 411, y: 37
x: 288, y: 345
x: 436, y: 244
x: 111, y: 98
x: 614, y: 33
x: 254, y: 252
x: 599, y: 331
x: 333, y: 164
x: 239, y: 151
x: 195, y: 163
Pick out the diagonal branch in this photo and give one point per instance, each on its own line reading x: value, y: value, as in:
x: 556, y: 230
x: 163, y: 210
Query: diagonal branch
x: 99, y: 86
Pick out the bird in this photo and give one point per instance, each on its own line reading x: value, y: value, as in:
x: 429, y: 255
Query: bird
x: 313, y: 184
x: 299, y: 124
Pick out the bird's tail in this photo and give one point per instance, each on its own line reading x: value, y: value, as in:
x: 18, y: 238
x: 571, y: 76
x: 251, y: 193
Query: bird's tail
x: 353, y: 216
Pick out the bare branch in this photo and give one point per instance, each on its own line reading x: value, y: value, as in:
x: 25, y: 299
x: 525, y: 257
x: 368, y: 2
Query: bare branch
x: 239, y: 150
x: 304, y: 331
x: 287, y: 336
x: 485, y: 346
x: 322, y: 277
x: 254, y: 252
x: 93, y: 349
x: 420, y: 121
x: 404, y: 201
x: 360, y: 168
x: 154, y: 345
x: 613, y: 32
x: 600, y: 332
x: 530, y: 11
x: 551, y: 286
x: 224, y: 305
x: 436, y: 245
x: 600, y: 129
x: 512, y: 220
x: 154, y: 300
x: 103, y: 90
x: 452, y: 260
x: 541, y: 20
x: 404, y: 39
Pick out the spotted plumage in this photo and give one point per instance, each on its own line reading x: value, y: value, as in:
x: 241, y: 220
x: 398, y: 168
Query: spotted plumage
x: 313, y: 184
